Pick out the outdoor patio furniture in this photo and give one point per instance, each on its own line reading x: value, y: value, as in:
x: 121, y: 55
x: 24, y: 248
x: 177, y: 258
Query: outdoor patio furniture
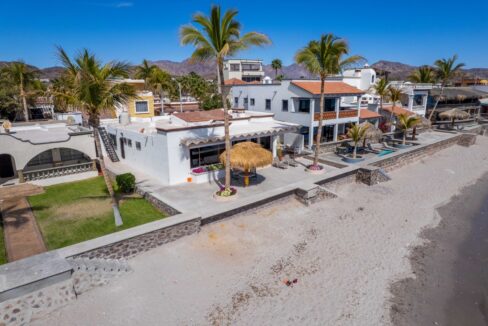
x: 386, y: 146
x: 374, y: 150
x: 278, y: 164
x: 290, y: 161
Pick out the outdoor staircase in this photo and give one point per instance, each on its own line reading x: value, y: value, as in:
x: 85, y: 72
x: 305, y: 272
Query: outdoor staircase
x: 112, y: 154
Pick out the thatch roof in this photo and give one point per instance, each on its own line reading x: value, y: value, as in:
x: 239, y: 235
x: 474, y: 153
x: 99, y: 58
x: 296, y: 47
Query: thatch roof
x: 458, y: 93
x: 454, y: 114
x: 372, y: 132
x: 424, y: 123
x: 247, y: 156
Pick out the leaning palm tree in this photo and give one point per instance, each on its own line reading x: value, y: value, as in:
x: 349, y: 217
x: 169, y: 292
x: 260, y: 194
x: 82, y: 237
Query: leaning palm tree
x: 424, y: 74
x: 217, y: 37
x: 381, y: 89
x: 23, y: 77
x: 406, y: 122
x: 276, y: 64
x: 357, y: 133
x: 324, y: 58
x: 394, y: 95
x: 446, y: 69
x: 144, y: 71
x: 95, y: 89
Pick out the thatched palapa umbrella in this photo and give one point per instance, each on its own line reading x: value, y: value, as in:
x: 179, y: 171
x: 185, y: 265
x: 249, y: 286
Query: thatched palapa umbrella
x: 247, y: 156
x: 454, y: 114
x: 372, y: 133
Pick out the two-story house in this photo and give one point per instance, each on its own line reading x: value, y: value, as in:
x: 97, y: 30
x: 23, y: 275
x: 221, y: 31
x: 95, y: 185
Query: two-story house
x: 297, y: 101
x: 247, y: 70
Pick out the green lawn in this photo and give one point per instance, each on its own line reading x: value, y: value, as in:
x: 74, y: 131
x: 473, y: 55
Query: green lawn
x: 77, y: 211
x: 3, y: 251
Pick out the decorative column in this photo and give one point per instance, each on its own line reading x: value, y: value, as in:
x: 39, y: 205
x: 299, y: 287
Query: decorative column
x: 274, y: 145
x: 20, y: 174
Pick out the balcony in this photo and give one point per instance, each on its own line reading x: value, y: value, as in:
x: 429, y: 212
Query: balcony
x: 58, y: 171
x: 332, y: 115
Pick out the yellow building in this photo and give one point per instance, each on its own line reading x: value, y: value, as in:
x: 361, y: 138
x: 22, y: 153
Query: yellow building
x: 143, y: 105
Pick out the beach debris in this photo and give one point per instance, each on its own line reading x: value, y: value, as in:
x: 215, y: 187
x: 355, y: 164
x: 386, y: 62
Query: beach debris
x: 287, y: 282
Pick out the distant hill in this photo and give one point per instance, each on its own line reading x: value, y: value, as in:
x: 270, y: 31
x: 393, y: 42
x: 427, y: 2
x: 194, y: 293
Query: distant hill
x: 396, y: 70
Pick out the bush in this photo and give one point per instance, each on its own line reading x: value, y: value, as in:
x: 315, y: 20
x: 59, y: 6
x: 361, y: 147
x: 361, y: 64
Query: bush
x: 126, y: 182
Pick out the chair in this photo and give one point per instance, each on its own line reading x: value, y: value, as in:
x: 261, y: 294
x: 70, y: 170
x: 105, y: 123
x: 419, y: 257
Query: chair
x: 291, y: 162
x: 278, y: 164
x: 386, y: 146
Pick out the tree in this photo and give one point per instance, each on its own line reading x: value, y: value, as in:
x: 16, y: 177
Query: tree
x: 145, y: 71
x: 24, y: 78
x: 161, y: 83
x: 195, y: 86
x: 276, y: 64
x: 95, y: 89
x: 406, y: 122
x: 394, y: 94
x: 424, y: 74
x: 217, y: 37
x: 381, y: 89
x: 357, y: 133
x: 446, y: 69
x: 324, y: 58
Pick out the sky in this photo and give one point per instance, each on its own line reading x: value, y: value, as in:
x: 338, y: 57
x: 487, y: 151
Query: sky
x: 412, y: 32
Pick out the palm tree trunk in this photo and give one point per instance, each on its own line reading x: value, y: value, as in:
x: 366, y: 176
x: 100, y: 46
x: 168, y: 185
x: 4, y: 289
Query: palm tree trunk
x: 223, y: 93
x: 404, y: 137
x: 321, y: 121
x: 414, y: 132
x: 391, y: 117
x: 115, y: 205
x: 24, y: 100
x: 354, y: 152
x: 436, y: 103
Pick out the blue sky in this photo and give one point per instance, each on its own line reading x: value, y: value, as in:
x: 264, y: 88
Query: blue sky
x: 413, y: 32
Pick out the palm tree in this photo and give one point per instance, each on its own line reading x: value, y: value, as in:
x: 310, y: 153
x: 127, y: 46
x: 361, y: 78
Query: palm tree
x: 23, y: 77
x: 424, y: 74
x: 357, y: 132
x: 324, y: 58
x: 144, y: 71
x: 276, y: 64
x: 95, y: 89
x: 406, y: 122
x: 394, y: 94
x: 217, y: 37
x: 159, y: 81
x: 381, y: 89
x: 446, y: 69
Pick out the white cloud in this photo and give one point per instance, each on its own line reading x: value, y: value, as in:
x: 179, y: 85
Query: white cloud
x: 123, y: 4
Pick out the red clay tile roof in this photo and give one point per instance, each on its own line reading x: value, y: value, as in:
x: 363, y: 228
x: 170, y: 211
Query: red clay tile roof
x: 367, y: 114
x: 331, y: 88
x: 398, y: 110
x: 235, y: 81
x: 201, y: 116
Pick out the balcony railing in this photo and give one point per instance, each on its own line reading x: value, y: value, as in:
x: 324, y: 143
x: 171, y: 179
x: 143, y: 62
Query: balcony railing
x: 332, y: 115
x: 57, y: 171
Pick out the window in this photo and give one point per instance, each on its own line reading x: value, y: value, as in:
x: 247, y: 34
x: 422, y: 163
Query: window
x: 268, y: 104
x: 251, y: 67
x: 205, y: 155
x: 246, y: 101
x: 252, y: 102
x: 138, y: 145
x: 129, y: 142
x: 236, y: 101
x: 250, y: 79
x: 284, y: 105
x: 142, y: 107
x: 329, y: 104
x: 113, y: 140
x: 68, y: 154
x: 41, y: 159
x: 304, y: 105
x: 372, y: 79
x: 235, y: 67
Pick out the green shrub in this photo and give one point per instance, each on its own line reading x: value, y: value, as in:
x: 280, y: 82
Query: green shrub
x: 126, y: 182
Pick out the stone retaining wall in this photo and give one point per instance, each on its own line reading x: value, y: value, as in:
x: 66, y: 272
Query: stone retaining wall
x: 160, y: 205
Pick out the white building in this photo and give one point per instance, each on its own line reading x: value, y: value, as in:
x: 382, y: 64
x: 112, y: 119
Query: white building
x: 362, y: 78
x: 415, y: 96
x: 297, y: 101
x: 247, y: 70
x: 180, y: 147
x: 37, y: 151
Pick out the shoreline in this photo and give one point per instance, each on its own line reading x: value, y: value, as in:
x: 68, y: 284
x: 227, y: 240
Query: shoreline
x: 450, y: 286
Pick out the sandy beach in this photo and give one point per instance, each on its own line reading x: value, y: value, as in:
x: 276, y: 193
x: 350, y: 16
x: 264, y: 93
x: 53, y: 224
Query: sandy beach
x: 345, y: 254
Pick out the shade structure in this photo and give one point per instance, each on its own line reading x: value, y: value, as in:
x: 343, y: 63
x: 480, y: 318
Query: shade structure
x: 372, y: 133
x: 247, y: 156
x: 454, y: 114
x: 425, y: 123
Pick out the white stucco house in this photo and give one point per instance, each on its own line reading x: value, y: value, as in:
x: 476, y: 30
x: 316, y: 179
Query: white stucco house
x: 248, y: 70
x: 297, y: 101
x: 185, y: 147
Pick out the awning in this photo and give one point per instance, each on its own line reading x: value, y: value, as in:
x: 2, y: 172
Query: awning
x: 188, y: 142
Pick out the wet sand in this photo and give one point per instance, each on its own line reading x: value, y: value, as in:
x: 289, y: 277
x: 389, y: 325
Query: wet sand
x: 451, y: 284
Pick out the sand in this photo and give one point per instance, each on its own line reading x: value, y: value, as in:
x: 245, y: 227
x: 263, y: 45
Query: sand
x: 345, y: 253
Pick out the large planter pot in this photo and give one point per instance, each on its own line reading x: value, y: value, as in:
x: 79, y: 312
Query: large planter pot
x: 349, y: 159
x: 312, y: 171
x: 224, y: 198
x: 403, y: 146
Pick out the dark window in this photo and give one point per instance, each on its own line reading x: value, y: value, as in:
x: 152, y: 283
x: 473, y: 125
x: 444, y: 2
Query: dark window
x: 68, y: 154
x: 304, y: 105
x: 251, y: 67
x: 235, y: 67
x: 41, y: 159
x: 246, y: 100
x: 236, y: 101
x: 129, y: 142
x: 250, y: 79
x: 266, y: 142
x: 142, y: 107
x: 113, y: 140
x: 284, y: 105
x: 205, y: 155
x: 138, y: 145
x: 329, y: 104
x: 252, y: 102
x: 268, y: 104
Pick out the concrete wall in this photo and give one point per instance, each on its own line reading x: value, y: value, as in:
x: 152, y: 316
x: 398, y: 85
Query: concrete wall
x: 131, y: 106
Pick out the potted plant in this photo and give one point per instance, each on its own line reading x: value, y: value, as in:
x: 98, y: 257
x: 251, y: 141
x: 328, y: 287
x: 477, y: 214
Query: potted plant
x: 7, y: 125
x: 357, y: 133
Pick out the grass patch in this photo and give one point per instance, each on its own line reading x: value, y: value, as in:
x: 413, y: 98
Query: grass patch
x: 73, y: 212
x: 3, y: 251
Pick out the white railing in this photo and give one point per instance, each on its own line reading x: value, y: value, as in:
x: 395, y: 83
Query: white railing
x: 57, y: 171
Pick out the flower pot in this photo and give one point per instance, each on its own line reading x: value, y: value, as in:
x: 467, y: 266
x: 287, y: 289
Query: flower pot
x: 349, y: 159
x: 315, y: 171
x: 403, y: 146
x: 224, y: 198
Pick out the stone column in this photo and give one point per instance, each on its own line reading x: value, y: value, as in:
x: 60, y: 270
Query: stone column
x: 274, y: 145
x: 20, y: 174
x: 336, y: 130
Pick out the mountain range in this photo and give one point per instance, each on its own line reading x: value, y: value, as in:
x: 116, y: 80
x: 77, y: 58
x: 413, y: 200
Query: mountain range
x: 396, y: 70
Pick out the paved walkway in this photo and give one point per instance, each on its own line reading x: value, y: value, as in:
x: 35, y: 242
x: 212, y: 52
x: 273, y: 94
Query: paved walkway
x: 22, y: 235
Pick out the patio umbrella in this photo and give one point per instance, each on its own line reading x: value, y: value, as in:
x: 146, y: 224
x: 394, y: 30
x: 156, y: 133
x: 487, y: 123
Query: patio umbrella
x: 423, y: 124
x: 454, y: 114
x: 372, y: 133
x: 247, y: 156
